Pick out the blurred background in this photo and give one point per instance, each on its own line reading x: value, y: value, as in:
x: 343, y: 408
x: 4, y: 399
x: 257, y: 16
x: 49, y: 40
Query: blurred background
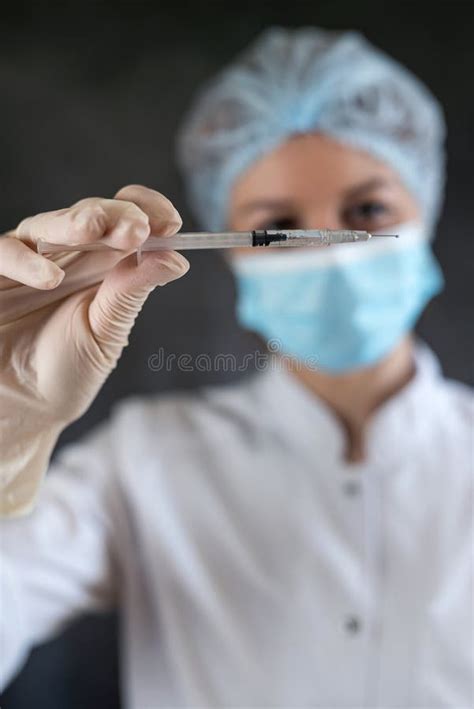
x: 92, y: 94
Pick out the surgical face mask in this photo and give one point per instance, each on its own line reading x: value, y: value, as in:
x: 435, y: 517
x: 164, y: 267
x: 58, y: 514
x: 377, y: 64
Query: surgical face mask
x: 341, y: 307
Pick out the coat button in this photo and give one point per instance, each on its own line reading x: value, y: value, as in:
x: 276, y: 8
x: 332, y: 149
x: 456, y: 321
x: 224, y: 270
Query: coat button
x: 351, y: 488
x: 353, y: 624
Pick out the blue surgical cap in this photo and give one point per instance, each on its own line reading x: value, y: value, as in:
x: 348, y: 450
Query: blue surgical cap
x: 310, y: 80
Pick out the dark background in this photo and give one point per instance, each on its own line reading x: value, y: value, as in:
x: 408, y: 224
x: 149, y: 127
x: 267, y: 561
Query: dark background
x: 91, y: 95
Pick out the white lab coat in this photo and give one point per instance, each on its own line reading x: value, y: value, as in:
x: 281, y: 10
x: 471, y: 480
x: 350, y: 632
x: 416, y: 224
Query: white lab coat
x: 254, y: 567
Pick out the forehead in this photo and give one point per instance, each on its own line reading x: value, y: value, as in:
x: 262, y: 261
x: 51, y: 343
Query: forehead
x: 306, y: 164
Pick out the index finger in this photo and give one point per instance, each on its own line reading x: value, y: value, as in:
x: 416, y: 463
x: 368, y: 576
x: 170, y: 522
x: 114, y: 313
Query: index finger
x: 164, y: 218
x: 122, y: 225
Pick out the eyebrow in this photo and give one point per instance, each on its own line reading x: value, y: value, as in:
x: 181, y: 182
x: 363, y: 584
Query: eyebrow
x: 282, y: 204
x: 269, y: 204
x: 372, y: 184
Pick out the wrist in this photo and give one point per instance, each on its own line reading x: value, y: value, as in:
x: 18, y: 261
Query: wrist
x: 24, y: 462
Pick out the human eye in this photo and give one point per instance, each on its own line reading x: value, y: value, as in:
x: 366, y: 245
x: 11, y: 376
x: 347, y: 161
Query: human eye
x: 368, y: 215
x: 279, y: 223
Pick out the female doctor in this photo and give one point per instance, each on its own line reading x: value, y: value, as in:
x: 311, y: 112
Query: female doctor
x: 301, y: 538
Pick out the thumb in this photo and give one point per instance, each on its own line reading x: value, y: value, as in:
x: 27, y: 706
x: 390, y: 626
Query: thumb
x: 123, y: 292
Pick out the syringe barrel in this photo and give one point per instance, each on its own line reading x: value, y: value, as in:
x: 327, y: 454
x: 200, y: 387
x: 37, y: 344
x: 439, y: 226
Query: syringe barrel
x: 199, y: 240
x: 184, y: 242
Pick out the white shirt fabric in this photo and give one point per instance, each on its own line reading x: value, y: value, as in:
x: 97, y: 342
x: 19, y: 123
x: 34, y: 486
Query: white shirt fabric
x: 255, y: 567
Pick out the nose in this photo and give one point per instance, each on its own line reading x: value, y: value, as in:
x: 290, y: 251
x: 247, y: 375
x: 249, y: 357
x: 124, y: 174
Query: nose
x: 320, y: 217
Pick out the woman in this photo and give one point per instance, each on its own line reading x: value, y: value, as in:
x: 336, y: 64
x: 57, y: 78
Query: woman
x: 300, y: 538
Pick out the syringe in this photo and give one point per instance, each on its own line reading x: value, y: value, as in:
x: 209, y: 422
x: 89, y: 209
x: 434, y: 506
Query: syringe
x: 225, y: 240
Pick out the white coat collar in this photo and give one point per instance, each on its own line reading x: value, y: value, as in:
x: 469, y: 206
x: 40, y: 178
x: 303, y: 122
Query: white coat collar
x: 399, y: 423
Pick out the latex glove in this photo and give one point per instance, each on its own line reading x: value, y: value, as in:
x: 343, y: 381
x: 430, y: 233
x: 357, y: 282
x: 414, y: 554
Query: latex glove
x: 64, y: 321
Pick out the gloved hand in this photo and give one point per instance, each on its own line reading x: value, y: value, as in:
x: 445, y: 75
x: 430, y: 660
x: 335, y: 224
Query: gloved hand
x: 64, y: 321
